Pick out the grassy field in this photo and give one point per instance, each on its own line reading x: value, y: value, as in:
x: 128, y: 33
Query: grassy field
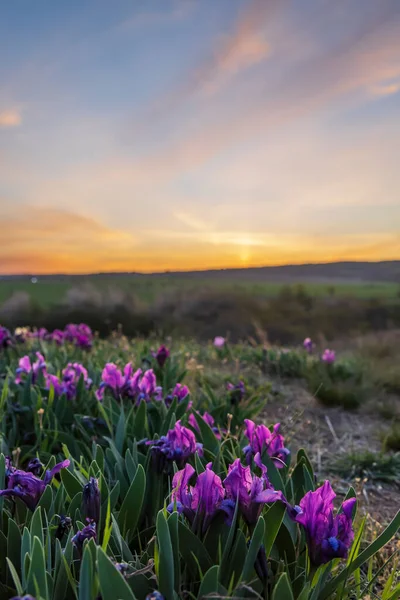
x: 47, y: 292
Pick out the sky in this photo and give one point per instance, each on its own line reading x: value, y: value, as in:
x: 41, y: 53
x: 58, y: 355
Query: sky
x: 152, y: 135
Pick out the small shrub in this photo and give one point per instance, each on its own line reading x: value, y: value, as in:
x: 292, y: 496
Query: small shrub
x: 392, y: 439
x: 376, y: 467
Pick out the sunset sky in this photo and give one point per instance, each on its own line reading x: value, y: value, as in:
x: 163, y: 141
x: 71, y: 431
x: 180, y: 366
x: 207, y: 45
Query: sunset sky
x: 145, y: 135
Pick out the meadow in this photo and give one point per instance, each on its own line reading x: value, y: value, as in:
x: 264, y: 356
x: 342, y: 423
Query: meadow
x: 47, y: 292
x: 170, y: 468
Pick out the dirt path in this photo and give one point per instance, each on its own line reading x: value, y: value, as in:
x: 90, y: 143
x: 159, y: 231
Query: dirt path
x: 328, y: 433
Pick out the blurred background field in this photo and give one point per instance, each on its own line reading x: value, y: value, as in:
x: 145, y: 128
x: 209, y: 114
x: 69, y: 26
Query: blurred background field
x: 289, y: 303
x: 47, y: 291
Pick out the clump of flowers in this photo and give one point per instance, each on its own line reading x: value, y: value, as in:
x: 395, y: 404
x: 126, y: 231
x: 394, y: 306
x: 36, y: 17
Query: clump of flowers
x: 57, y: 336
x: 328, y: 356
x: 128, y: 384
x: 26, y: 367
x: 308, y: 344
x: 251, y: 491
x: 5, y: 338
x: 70, y: 378
x: 328, y: 536
x: 27, y: 486
x: 81, y: 335
x: 161, y: 355
x: 21, y: 334
x: 209, y: 419
x: 177, y: 446
x: 40, y: 334
x: 263, y: 440
x: 203, y: 501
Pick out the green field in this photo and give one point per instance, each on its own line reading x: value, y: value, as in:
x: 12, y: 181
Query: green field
x: 147, y: 289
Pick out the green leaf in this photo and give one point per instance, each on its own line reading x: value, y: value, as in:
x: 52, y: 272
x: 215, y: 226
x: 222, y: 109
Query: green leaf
x: 283, y: 589
x: 139, y: 424
x: 165, y: 574
x: 14, y: 544
x: 209, y: 440
x: 112, y: 584
x: 173, y: 532
x: 255, y: 545
x: 16, y: 579
x: 363, y: 557
x: 131, y: 508
x: 86, y: 575
x: 36, y: 528
x: 120, y: 431
x: 209, y: 584
x: 25, y: 549
x: 274, y: 518
x: 37, y: 570
x: 192, y: 550
x: 72, y: 485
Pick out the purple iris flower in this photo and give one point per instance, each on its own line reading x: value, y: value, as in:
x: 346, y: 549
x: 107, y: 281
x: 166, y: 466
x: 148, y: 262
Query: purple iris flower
x: 251, y: 491
x: 161, y: 355
x: 70, y: 379
x: 26, y: 597
x: 128, y: 384
x: 328, y: 536
x: 155, y: 595
x: 57, y: 336
x: 54, y: 382
x: 114, y: 380
x: 219, y: 341
x: 81, y: 335
x: 179, y: 392
x: 209, y: 419
x: 237, y: 392
x: 5, y: 338
x: 308, y: 344
x: 204, y: 500
x: 328, y: 356
x: 91, y: 500
x: 178, y: 445
x: 35, y: 466
x: 9, y: 469
x: 25, y: 366
x: 263, y: 440
x: 41, y: 334
x: 87, y: 533
x: 28, y: 487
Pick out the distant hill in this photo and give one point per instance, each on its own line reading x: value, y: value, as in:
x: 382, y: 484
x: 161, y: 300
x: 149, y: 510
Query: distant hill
x: 385, y: 271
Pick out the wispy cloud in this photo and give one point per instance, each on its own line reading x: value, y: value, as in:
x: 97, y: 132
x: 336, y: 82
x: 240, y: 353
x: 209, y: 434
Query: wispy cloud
x: 10, y: 118
x: 386, y: 88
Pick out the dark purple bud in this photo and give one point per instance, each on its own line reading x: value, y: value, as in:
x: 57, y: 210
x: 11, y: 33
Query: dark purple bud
x: 63, y: 526
x: 5, y: 338
x: 35, y: 466
x: 91, y: 500
x: 161, y: 355
x: 87, y: 533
